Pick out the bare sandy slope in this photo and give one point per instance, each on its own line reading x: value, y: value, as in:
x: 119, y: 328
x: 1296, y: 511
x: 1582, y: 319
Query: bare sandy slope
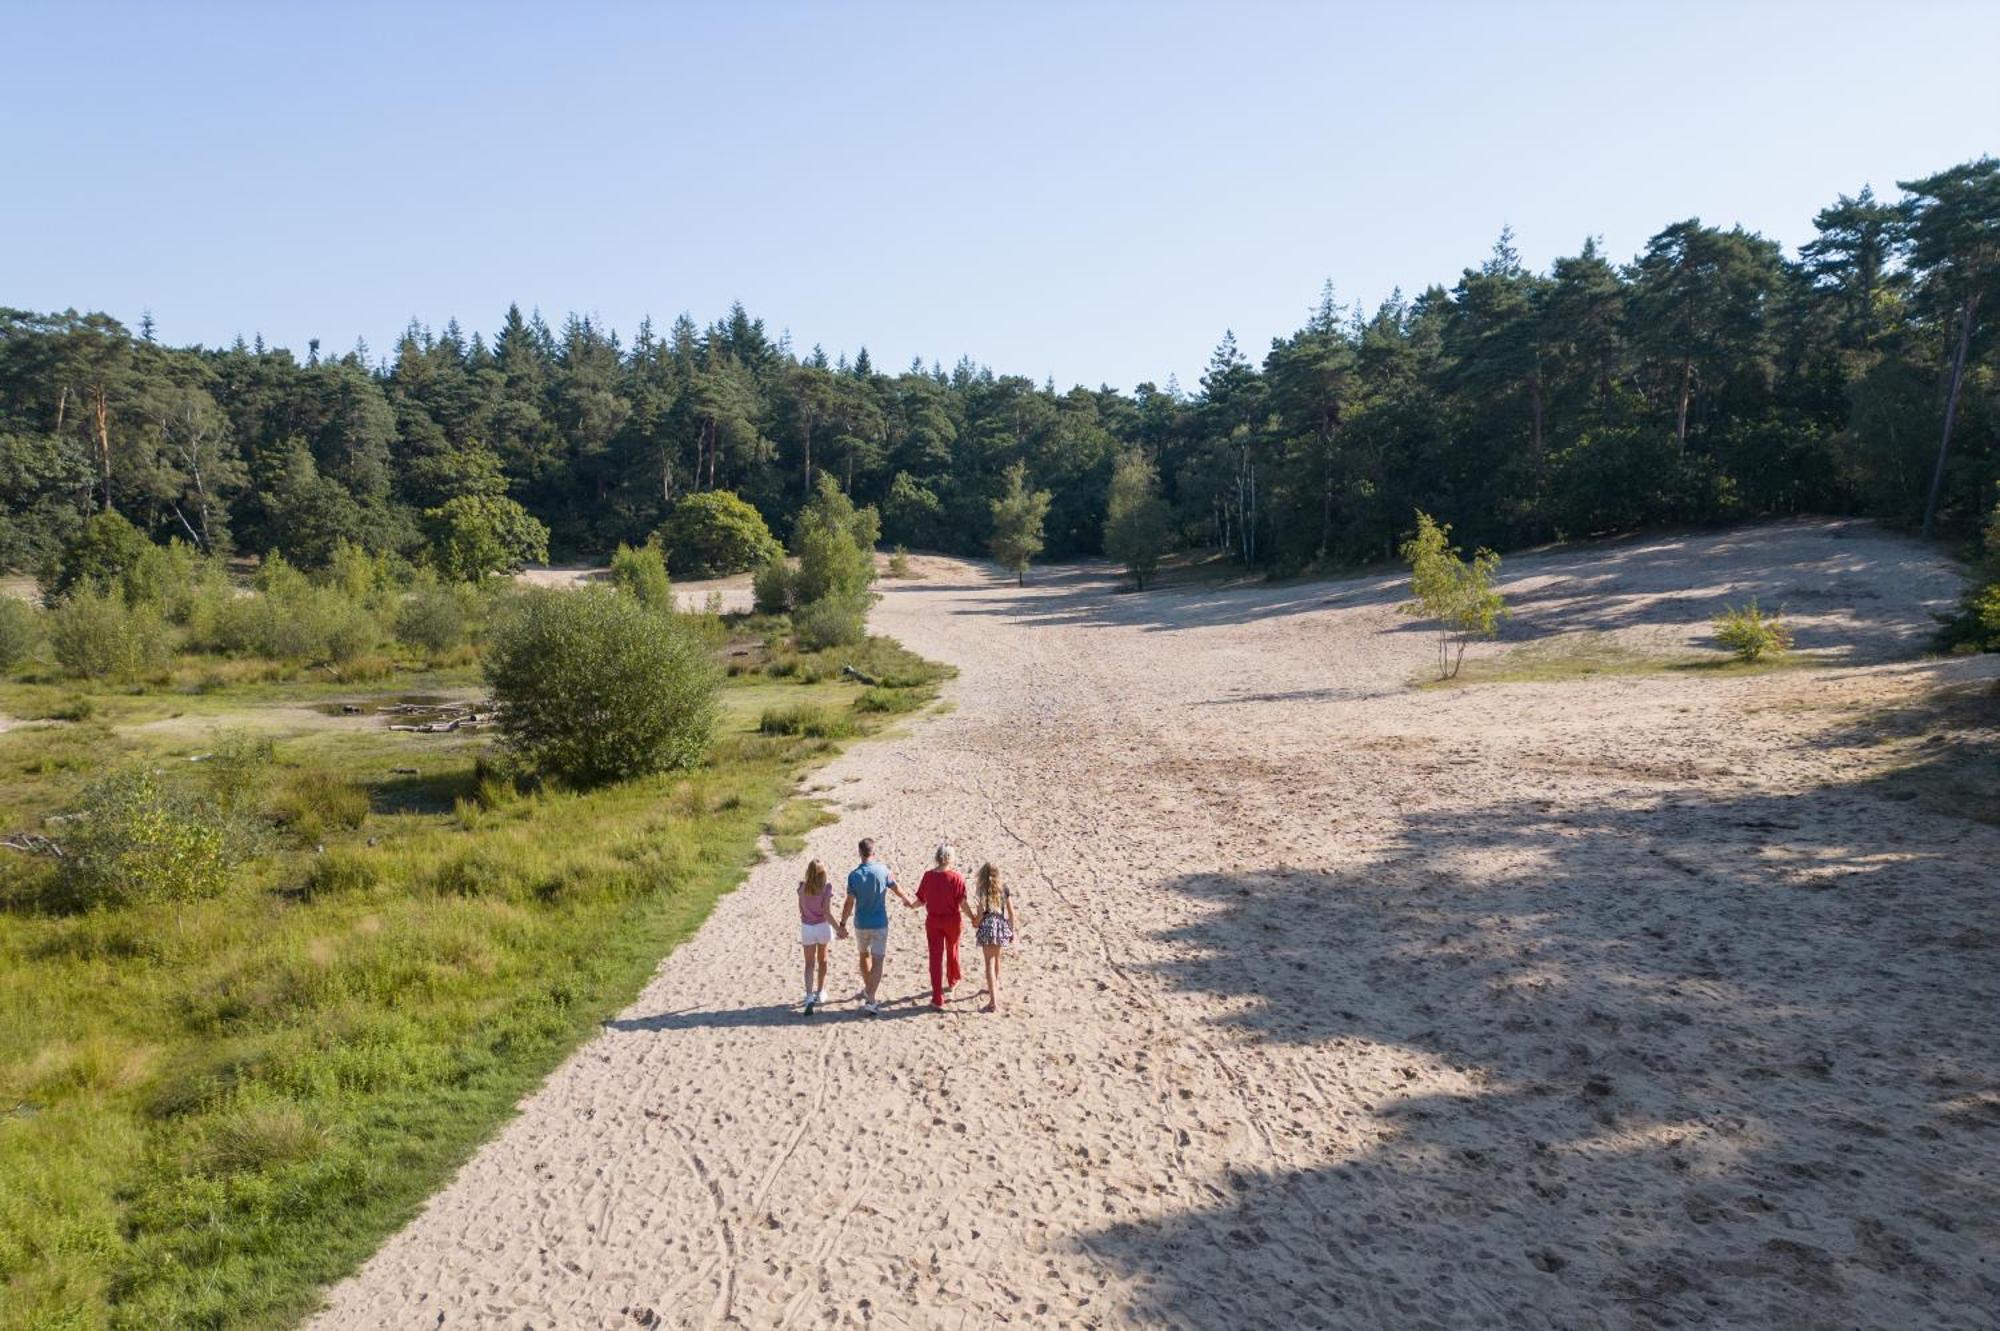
x: 1622, y: 1002
x: 691, y: 594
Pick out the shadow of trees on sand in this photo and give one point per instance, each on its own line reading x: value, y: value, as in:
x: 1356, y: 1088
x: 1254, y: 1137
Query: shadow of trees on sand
x: 1708, y: 1059
x: 1653, y: 581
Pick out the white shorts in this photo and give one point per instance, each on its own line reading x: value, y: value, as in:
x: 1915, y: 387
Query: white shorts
x: 815, y: 935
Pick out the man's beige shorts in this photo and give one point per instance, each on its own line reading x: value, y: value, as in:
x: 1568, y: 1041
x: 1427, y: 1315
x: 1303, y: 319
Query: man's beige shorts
x: 875, y: 941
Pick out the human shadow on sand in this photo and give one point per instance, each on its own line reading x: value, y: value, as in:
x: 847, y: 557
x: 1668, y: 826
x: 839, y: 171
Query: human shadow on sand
x: 1714, y: 1059
x: 778, y: 1014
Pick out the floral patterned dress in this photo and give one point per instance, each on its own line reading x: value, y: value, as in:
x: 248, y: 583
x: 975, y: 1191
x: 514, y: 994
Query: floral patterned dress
x: 994, y: 931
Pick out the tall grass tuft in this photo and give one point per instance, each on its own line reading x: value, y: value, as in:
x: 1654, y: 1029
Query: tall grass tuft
x: 1750, y: 634
x: 807, y: 719
x: 313, y: 802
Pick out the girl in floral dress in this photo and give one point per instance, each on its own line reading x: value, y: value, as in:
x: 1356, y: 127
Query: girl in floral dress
x: 994, y: 907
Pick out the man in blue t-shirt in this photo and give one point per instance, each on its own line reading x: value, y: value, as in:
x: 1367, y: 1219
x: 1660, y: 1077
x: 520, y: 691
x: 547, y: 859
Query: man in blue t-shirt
x: 868, y: 889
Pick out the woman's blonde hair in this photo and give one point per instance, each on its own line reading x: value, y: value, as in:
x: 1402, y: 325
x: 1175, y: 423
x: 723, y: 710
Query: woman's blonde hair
x: 989, y: 888
x: 815, y: 878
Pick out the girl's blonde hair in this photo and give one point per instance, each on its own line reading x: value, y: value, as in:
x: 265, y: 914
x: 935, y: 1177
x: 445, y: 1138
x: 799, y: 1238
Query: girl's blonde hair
x: 815, y: 878
x: 989, y: 888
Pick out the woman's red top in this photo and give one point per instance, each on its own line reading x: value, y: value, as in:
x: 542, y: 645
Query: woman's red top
x: 942, y: 891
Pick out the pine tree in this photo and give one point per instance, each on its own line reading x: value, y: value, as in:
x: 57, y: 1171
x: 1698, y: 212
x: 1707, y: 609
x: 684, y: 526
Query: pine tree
x: 1017, y: 523
x: 1954, y: 229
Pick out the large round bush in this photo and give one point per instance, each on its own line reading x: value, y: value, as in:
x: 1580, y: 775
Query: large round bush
x: 100, y: 551
x: 714, y: 533
x: 592, y: 686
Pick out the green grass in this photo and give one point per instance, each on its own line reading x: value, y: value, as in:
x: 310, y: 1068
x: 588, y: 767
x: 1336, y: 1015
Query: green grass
x: 808, y: 719
x: 1574, y: 656
x: 208, y: 1111
x: 793, y: 819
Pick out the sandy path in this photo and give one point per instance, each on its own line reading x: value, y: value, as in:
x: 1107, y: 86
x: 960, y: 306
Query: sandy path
x: 1594, y: 1004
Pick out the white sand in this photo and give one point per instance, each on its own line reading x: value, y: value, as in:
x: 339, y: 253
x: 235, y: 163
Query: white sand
x: 692, y: 594
x: 1611, y: 1003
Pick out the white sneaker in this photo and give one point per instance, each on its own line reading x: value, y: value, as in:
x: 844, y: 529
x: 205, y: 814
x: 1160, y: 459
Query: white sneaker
x: 818, y: 997
x: 872, y: 1009
x: 809, y: 999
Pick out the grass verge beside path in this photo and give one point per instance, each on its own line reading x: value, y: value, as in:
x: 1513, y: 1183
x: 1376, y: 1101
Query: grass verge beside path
x: 208, y: 1111
x: 1573, y: 656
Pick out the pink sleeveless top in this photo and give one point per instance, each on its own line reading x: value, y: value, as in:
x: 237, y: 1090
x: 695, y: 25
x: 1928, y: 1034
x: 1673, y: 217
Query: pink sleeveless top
x: 812, y: 910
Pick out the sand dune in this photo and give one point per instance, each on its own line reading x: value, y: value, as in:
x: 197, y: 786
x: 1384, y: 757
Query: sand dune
x: 1622, y: 1002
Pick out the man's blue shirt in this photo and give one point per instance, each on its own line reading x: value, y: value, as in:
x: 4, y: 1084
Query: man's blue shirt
x: 869, y: 886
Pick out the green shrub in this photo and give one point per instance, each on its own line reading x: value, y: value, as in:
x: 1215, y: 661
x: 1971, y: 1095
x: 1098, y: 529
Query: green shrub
x: 714, y: 533
x: 1978, y: 622
x: 238, y: 769
x: 174, y: 578
x: 431, y: 620
x: 835, y: 545
x: 642, y: 574
x: 133, y: 837
x: 20, y: 631
x: 1751, y: 634
x: 475, y: 534
x: 313, y: 802
x: 97, y: 636
x: 79, y: 708
x: 773, y: 586
x: 1976, y: 626
x: 1458, y: 595
x: 363, y: 576
x: 100, y: 552
x: 287, y: 618
x: 807, y: 719
x: 832, y: 621
x: 707, y: 623
x: 594, y: 687
x: 350, y: 633
x: 899, y: 563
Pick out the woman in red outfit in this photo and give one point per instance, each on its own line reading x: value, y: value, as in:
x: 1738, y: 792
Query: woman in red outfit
x: 942, y: 895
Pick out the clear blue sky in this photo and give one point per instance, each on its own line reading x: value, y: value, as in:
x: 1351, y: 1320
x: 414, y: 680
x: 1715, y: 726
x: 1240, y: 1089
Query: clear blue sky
x: 1089, y: 191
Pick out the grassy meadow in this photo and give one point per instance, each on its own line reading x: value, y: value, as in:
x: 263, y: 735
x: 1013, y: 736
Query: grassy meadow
x: 210, y: 1107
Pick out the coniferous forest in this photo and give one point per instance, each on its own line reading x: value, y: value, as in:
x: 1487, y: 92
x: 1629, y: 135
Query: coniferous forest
x: 1710, y: 377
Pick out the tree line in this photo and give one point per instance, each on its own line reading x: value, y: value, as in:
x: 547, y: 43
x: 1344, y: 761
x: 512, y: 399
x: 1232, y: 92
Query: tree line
x: 1711, y: 377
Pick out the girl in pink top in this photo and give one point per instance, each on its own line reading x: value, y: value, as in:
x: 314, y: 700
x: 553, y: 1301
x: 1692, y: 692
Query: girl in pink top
x: 815, y: 930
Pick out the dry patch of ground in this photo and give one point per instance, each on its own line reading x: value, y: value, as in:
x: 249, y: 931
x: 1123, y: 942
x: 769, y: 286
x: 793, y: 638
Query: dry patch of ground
x: 692, y: 594
x: 1635, y: 999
